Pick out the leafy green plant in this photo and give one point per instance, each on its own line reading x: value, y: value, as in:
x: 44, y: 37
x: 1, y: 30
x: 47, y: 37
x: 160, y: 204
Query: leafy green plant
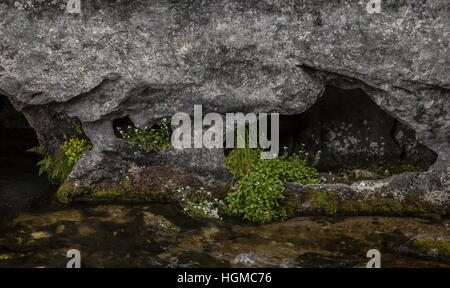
x: 241, y: 161
x: 58, y: 165
x: 258, y: 194
x: 149, y: 139
x: 257, y: 198
x: 74, y: 149
x: 289, y: 169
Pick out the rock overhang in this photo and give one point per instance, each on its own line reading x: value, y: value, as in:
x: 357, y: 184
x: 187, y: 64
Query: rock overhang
x: 150, y: 60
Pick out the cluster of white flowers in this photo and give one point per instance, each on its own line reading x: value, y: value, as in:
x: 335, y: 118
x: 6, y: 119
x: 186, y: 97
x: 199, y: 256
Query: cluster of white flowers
x: 203, y: 209
x: 123, y: 133
x: 304, y: 154
x: 316, y: 159
x: 165, y: 123
x: 181, y: 191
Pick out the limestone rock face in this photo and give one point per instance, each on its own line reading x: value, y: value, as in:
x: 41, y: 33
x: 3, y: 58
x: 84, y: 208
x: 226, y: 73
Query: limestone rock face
x: 150, y: 59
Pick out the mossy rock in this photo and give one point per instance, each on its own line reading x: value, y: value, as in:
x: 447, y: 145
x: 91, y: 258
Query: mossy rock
x: 66, y: 191
x: 317, y: 202
x: 428, y: 246
x: 433, y: 247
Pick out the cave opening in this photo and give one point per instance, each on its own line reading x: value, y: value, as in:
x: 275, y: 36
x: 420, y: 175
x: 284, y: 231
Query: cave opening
x: 21, y: 187
x: 122, y: 124
x: 347, y: 134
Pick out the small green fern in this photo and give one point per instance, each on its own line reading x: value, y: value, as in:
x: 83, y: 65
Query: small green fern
x: 56, y: 166
x: 38, y: 150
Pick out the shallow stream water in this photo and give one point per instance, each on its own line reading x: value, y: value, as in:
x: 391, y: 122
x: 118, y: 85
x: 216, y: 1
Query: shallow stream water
x: 123, y: 235
x: 37, y: 233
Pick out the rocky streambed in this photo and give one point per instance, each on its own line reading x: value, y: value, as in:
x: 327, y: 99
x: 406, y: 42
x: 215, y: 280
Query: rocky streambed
x: 159, y: 235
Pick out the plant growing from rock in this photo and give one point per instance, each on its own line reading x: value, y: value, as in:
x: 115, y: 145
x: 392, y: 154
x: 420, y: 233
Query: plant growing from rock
x: 202, y: 209
x: 259, y: 193
x: 200, y: 203
x: 149, y: 139
x: 74, y: 149
x: 58, y: 165
x: 241, y: 161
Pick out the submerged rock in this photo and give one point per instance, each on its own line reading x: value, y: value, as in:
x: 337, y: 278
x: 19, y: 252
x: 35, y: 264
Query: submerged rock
x: 163, y: 229
x: 428, y: 246
x: 250, y: 259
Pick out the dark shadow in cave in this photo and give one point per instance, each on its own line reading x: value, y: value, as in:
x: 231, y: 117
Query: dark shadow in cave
x: 20, y: 185
x: 122, y: 123
x: 352, y: 132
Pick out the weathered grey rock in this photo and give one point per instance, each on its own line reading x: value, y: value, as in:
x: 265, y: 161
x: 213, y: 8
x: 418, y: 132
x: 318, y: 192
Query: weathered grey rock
x: 404, y: 194
x: 150, y: 59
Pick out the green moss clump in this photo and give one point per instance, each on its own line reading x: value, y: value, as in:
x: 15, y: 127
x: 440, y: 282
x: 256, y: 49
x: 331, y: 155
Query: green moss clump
x: 65, y: 191
x: 329, y: 203
x: 111, y: 193
x: 322, y: 202
x: 124, y: 189
x: 442, y: 247
x: 129, y: 189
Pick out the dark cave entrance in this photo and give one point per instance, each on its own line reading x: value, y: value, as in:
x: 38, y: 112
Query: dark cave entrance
x: 346, y: 131
x: 20, y: 185
x: 121, y: 124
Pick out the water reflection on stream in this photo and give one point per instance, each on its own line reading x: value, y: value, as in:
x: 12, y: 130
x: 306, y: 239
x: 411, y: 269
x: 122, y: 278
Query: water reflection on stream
x: 124, y: 235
